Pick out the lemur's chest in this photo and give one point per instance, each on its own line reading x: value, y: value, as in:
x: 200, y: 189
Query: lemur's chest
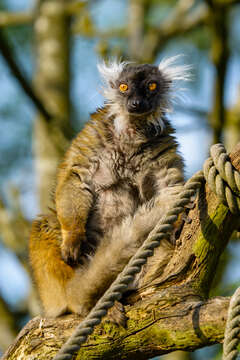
x: 120, y: 161
x: 123, y: 175
x: 115, y: 167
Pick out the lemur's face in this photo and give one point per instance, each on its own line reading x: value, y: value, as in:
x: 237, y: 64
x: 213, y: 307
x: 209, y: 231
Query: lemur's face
x: 140, y: 89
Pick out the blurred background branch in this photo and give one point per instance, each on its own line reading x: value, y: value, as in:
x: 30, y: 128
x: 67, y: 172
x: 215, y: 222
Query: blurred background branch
x: 13, y: 19
x: 21, y: 78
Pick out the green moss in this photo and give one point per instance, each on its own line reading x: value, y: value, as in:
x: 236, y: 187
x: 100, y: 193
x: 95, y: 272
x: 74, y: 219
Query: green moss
x: 208, y: 239
x: 209, y: 246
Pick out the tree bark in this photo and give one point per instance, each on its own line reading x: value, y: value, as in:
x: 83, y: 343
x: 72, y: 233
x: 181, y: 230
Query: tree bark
x: 15, y: 18
x: 156, y: 326
x: 172, y: 313
x: 52, y: 33
x: 220, y: 55
x: 136, y: 16
x: 232, y: 129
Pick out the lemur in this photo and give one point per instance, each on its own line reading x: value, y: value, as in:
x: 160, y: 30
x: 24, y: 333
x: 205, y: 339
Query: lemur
x: 118, y: 178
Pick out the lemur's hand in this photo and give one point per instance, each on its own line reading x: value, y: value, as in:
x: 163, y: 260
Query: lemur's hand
x: 71, y: 246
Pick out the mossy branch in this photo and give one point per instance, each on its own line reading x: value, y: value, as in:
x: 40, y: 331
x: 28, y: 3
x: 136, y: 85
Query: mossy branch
x: 155, y: 327
x: 172, y: 313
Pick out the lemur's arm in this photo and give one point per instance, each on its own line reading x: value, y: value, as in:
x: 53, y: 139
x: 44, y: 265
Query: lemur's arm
x: 73, y: 203
x: 75, y: 193
x: 169, y: 179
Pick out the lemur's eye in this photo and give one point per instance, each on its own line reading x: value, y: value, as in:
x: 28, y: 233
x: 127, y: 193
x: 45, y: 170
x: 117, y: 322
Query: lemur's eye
x: 152, y: 86
x: 123, y: 87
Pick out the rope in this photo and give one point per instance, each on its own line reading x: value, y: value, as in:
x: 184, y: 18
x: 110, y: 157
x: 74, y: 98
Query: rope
x: 232, y: 329
x: 222, y: 178
x: 215, y: 169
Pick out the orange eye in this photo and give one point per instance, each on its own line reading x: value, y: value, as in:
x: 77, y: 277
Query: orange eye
x: 123, y: 87
x: 152, y: 86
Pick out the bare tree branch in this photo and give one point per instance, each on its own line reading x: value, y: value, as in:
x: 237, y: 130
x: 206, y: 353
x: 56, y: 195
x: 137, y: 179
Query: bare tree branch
x: 181, y: 21
x: 14, y: 231
x: 12, y: 19
x: 8, y: 328
x: 21, y: 78
x: 8, y: 18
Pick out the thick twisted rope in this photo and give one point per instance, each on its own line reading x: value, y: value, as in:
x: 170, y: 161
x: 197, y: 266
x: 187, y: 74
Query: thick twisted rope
x: 224, y: 181
x: 214, y: 169
x: 232, y: 330
x: 222, y: 178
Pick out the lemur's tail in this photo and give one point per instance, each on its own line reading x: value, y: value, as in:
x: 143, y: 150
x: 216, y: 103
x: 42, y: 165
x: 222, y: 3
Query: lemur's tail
x: 89, y: 284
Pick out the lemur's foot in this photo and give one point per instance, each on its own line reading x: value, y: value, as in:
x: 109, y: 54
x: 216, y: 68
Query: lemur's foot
x: 191, y: 204
x: 182, y: 219
x: 117, y: 314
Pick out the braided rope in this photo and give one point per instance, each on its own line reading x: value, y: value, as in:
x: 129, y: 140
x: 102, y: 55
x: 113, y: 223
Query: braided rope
x: 222, y: 178
x: 215, y: 169
x: 224, y: 181
x: 232, y: 329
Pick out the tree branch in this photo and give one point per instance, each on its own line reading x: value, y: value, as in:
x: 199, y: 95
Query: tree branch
x: 12, y: 19
x: 152, y: 330
x: 156, y: 37
x: 8, y: 18
x: 223, y: 2
x: 15, y: 229
x: 8, y: 328
x: 25, y: 85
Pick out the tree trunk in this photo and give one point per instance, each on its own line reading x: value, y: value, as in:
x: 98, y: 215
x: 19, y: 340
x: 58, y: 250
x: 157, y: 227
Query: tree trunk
x: 136, y: 16
x: 220, y: 56
x: 232, y: 129
x: 52, y: 84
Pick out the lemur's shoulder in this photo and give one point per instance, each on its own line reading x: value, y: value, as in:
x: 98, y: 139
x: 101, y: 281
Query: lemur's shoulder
x: 89, y: 141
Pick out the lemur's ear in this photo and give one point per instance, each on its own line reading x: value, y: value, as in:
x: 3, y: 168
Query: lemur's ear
x: 173, y: 75
x: 110, y: 71
x: 172, y: 72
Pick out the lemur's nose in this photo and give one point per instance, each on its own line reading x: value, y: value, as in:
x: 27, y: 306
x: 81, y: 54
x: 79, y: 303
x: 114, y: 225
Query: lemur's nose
x: 135, y: 103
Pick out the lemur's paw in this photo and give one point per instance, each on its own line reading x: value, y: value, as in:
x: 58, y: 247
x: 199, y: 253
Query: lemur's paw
x: 117, y: 314
x: 71, y: 248
x: 181, y: 220
x: 191, y: 205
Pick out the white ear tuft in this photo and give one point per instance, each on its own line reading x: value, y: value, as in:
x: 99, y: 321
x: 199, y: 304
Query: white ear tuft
x: 110, y: 71
x: 174, y: 72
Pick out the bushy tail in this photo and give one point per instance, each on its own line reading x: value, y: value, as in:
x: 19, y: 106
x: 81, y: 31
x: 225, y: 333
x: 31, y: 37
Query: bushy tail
x: 89, y: 283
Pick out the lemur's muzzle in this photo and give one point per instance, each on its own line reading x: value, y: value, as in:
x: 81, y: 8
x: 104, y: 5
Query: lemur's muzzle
x: 135, y: 106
